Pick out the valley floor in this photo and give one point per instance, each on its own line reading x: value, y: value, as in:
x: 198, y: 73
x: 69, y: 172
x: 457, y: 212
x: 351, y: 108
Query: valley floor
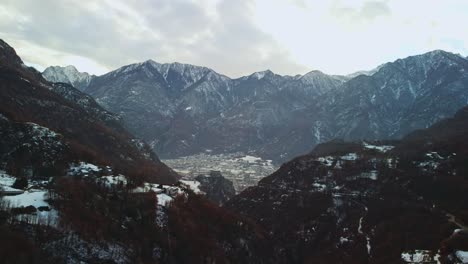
x: 243, y: 170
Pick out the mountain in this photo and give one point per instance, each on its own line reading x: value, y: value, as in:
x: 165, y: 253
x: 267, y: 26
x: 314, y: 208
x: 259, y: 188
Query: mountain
x: 81, y: 189
x: 369, y: 202
x: 46, y: 127
x: 77, y: 187
x: 183, y: 109
x: 68, y: 74
x: 402, y: 96
x: 368, y: 73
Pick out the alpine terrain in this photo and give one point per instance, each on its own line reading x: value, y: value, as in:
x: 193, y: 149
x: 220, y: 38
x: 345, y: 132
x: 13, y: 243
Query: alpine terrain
x: 183, y: 109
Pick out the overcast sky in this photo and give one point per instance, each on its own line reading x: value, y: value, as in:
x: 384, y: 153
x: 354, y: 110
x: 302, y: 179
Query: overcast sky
x: 234, y: 37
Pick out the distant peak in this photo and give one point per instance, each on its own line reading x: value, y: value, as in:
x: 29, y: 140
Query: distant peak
x: 71, y: 67
x: 151, y: 62
x: 67, y: 74
x: 313, y: 76
x: 435, y: 54
x: 66, y: 69
x: 439, y: 54
x: 314, y: 72
x: 438, y: 51
x: 261, y: 74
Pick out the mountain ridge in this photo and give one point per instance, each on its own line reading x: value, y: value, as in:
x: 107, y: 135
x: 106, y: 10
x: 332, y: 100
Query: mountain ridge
x: 368, y: 202
x: 68, y: 74
x: 264, y: 112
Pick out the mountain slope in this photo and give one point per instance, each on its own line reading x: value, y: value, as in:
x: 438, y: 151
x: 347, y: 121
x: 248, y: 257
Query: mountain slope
x: 70, y: 119
x: 402, y: 96
x: 184, y: 109
x: 368, y: 203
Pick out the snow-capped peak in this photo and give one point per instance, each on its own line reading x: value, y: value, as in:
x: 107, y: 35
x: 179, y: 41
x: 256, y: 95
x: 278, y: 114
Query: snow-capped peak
x: 261, y: 74
x: 312, y: 75
x: 68, y: 74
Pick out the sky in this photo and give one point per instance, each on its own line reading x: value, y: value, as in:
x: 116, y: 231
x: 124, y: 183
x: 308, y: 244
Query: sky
x: 233, y: 37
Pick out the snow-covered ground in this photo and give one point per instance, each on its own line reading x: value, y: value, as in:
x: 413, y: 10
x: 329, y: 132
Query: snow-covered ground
x: 350, y: 156
x: 420, y: 256
x: 147, y: 187
x: 192, y: 185
x: 36, y: 198
x: 164, y: 199
x: 381, y: 148
x: 41, y: 132
x: 10, y: 191
x: 5, y: 179
x: 166, y: 193
x: 83, y: 168
x: 462, y: 256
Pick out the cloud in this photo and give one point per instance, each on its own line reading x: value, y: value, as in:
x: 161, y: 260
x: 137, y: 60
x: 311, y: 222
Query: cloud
x: 366, y: 11
x: 232, y: 37
x: 109, y: 34
x: 343, y: 36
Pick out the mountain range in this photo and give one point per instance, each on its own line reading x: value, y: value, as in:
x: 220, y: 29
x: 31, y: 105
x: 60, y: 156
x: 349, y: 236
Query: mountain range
x: 76, y: 186
x: 182, y: 109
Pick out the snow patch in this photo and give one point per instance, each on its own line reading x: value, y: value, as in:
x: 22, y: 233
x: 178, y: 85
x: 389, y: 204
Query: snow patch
x: 369, y: 175
x: 434, y: 155
x: 192, y: 185
x: 350, y: 156
x: 113, y: 180
x: 164, y: 199
x: 462, y: 256
x: 41, y: 132
x: 344, y: 240
x: 35, y: 198
x: 327, y: 161
x: 419, y: 256
x: 9, y: 190
x: 5, y: 179
x: 429, y: 165
x: 164, y: 193
x: 259, y: 75
x: 319, y: 186
x: 382, y: 148
x: 251, y: 159
x: 83, y: 168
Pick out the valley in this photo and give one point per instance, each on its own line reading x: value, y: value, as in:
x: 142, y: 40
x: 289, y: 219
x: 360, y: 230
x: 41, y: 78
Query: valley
x: 373, y: 167
x: 243, y: 170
